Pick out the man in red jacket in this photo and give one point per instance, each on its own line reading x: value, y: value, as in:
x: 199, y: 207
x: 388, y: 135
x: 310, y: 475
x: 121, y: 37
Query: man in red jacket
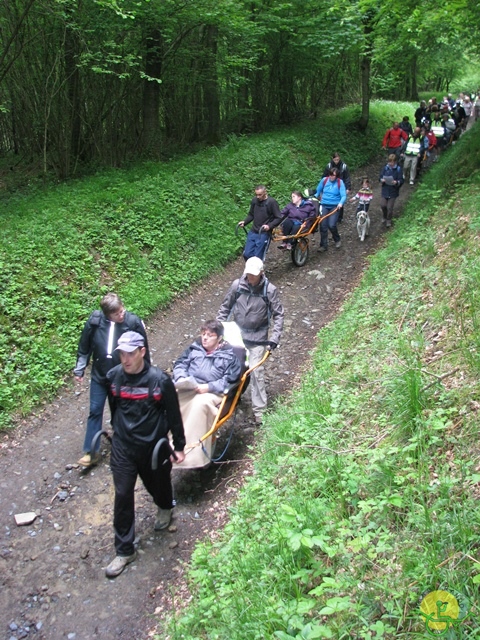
x: 394, y: 140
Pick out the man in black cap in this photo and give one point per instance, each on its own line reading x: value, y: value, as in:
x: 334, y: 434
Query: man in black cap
x: 144, y: 409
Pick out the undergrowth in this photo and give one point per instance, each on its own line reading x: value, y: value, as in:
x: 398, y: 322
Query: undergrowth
x: 147, y: 233
x: 365, y: 493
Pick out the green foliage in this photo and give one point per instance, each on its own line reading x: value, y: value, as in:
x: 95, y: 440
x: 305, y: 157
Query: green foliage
x: 364, y: 495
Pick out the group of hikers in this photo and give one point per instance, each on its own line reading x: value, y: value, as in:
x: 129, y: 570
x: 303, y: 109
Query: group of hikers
x: 147, y: 404
x: 410, y: 150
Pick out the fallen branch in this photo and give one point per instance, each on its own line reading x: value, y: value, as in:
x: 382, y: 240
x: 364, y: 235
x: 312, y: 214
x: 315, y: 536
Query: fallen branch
x: 437, y: 377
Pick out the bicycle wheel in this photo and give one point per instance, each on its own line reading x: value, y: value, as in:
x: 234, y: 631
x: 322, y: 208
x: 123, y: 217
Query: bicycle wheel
x: 300, y: 252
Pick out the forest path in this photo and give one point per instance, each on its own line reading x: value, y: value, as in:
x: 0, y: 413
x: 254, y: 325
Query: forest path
x: 52, y: 571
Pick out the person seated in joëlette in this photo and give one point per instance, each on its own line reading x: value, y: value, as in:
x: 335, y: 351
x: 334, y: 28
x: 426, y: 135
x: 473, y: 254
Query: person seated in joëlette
x: 295, y: 214
x: 201, y: 375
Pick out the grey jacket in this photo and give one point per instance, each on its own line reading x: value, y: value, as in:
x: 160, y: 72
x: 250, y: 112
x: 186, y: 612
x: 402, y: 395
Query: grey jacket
x: 253, y: 314
x: 219, y: 369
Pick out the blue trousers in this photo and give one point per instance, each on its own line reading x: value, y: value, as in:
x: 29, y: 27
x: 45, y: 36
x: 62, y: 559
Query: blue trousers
x: 328, y: 223
x: 98, y: 396
x: 256, y: 245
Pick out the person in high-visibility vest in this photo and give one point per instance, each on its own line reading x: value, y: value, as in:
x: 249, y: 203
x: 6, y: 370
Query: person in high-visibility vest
x: 413, y: 152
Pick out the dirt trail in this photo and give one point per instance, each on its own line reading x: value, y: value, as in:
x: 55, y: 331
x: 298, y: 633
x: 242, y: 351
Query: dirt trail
x: 52, y: 582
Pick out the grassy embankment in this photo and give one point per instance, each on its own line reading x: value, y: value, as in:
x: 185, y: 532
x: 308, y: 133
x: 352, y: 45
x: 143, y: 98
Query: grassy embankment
x: 147, y: 233
x: 365, y: 494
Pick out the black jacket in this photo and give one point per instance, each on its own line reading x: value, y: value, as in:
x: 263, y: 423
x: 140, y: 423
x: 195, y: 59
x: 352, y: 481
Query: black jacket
x: 263, y: 212
x: 344, y: 172
x: 94, y: 344
x: 145, y: 407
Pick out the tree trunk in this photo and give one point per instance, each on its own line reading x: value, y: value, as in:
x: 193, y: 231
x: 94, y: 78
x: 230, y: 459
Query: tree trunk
x: 151, y: 134
x: 73, y: 94
x: 365, y: 66
x: 210, y: 89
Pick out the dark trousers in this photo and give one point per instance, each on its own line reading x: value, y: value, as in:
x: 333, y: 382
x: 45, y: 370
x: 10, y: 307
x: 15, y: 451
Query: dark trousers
x: 328, y: 223
x: 386, y: 205
x: 290, y: 227
x: 127, y: 464
x: 396, y: 150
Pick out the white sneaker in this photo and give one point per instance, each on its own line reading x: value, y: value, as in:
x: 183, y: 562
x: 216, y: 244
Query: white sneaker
x: 164, y: 517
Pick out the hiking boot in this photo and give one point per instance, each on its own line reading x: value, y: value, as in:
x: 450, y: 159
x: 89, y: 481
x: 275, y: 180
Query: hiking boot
x: 388, y: 223
x: 338, y: 244
x: 164, y: 517
x: 89, y: 460
x: 118, y: 564
x: 258, y: 419
x: 321, y: 249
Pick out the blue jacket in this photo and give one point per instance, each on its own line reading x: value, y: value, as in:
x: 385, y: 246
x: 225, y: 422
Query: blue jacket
x: 333, y: 194
x: 391, y: 190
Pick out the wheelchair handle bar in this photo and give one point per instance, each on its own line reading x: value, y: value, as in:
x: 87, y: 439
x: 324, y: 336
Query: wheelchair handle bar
x: 162, y: 442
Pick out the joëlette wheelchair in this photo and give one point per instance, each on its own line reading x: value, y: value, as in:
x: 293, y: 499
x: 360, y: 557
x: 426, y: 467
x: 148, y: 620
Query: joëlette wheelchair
x: 227, y: 408
x: 300, y: 241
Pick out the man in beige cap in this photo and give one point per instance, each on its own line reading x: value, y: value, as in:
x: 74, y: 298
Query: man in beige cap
x: 253, y: 302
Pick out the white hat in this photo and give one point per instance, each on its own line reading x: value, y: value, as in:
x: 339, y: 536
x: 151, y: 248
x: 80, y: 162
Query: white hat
x: 253, y: 266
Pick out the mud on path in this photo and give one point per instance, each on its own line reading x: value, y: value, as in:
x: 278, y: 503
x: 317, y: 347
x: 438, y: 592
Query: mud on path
x: 52, y: 582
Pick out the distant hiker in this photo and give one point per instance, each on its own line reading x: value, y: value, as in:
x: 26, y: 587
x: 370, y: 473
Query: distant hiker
x: 144, y: 410
x: 253, y: 302
x: 420, y: 114
x: 413, y: 152
x: 394, y: 140
x: 477, y: 107
x: 406, y: 126
x: 343, y: 173
x: 391, y: 178
x: 264, y: 212
x: 332, y: 194
x: 459, y: 115
x: 430, y: 146
x: 364, y: 196
x: 97, y: 342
